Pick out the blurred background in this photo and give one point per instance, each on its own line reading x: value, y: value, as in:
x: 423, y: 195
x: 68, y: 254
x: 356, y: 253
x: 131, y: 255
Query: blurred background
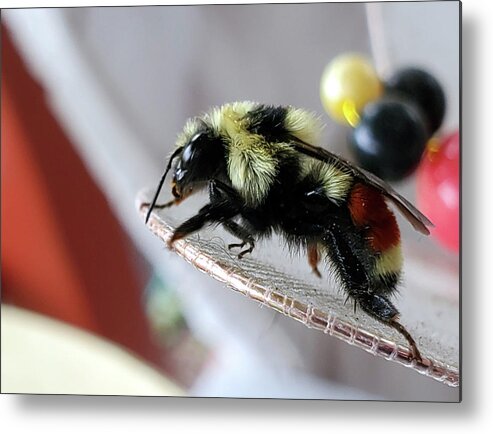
x: 92, y: 101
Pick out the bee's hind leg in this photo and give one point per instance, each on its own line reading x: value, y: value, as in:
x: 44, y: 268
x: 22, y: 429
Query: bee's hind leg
x: 314, y: 258
x: 379, y: 307
x: 355, y: 272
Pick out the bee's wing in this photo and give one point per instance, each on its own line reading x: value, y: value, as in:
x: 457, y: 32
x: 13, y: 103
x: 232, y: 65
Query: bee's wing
x: 413, y: 215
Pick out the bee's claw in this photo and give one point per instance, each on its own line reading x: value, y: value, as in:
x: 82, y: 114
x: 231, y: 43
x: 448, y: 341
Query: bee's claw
x: 233, y: 246
x: 175, y: 237
x: 244, y: 252
x: 240, y: 245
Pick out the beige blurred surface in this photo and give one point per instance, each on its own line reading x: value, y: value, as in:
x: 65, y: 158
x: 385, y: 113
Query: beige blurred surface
x: 41, y: 355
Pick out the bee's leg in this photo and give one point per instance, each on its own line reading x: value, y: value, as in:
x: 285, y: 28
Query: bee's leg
x: 241, y: 233
x: 159, y: 206
x: 314, y: 258
x: 164, y: 205
x: 380, y: 307
x: 354, y: 262
x: 217, y: 212
x: 219, y: 191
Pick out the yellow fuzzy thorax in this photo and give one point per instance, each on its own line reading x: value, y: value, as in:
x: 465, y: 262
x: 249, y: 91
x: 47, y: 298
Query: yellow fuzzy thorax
x: 252, y: 161
x: 231, y: 119
x: 253, y: 166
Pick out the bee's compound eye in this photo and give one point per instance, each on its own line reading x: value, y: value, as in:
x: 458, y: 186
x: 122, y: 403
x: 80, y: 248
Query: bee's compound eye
x: 192, y: 147
x: 187, y: 153
x: 180, y: 175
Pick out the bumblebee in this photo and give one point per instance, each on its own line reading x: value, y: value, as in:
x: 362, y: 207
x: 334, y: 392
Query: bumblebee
x: 264, y: 174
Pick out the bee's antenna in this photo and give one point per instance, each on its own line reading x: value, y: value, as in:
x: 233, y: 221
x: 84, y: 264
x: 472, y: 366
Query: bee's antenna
x: 161, y: 182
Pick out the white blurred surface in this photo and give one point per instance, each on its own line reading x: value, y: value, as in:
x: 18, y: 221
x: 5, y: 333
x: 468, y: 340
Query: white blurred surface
x: 42, y: 355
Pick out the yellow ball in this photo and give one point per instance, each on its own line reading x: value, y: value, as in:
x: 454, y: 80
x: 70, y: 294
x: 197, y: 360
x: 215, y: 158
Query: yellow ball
x: 348, y: 83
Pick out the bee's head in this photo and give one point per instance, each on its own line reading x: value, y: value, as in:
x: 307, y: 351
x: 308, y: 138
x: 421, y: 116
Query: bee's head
x: 195, y: 165
x: 199, y: 157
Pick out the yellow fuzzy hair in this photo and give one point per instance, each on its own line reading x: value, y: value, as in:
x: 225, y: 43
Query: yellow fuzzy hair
x: 252, y: 161
x: 335, y: 182
x: 304, y: 125
x: 188, y: 132
x: 390, y: 261
x: 227, y: 120
x: 252, y: 166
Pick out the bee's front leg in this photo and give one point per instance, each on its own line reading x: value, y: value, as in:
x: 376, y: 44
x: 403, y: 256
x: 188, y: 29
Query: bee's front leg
x: 218, y: 212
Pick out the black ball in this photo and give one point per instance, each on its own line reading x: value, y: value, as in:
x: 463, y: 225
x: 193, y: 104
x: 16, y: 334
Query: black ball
x: 389, y: 139
x: 424, y: 90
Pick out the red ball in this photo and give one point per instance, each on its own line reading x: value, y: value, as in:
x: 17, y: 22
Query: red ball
x: 438, y: 189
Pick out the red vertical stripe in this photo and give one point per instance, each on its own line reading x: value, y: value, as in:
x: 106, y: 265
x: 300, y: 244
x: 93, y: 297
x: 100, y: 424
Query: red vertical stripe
x: 369, y: 210
x: 64, y: 253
